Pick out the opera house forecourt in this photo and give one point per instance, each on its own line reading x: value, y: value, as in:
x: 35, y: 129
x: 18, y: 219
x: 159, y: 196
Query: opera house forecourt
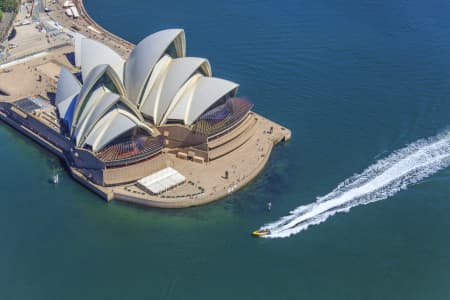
x: 154, y: 127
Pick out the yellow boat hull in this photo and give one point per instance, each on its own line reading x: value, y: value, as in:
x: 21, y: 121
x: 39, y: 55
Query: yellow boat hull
x: 260, y: 232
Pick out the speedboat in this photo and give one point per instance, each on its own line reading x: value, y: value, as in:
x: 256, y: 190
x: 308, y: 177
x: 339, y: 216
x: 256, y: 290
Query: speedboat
x: 261, y: 232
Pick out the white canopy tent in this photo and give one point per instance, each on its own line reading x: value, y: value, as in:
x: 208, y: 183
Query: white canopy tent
x: 161, y: 181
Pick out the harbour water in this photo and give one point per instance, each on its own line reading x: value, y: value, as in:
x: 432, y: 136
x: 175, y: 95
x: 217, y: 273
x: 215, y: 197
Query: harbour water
x: 353, y: 80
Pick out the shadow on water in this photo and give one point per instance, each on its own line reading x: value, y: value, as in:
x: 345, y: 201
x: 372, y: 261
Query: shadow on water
x: 197, y: 213
x: 268, y: 186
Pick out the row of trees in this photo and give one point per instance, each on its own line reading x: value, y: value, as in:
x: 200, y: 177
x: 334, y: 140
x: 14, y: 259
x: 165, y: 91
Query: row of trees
x: 8, y: 5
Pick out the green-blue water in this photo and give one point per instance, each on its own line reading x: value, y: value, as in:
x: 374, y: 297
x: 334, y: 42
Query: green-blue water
x: 354, y: 81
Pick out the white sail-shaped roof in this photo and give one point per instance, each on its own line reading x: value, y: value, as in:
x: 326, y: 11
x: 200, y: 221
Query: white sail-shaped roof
x: 203, y: 94
x: 112, y: 125
x: 207, y: 92
x: 94, y: 99
x: 107, y: 78
x: 146, y: 54
x: 157, y: 75
x: 178, y: 108
x: 157, y: 81
x: 68, y: 85
x: 65, y: 107
x: 94, y: 53
x: 90, y: 103
x: 77, y: 45
x: 182, y: 101
x: 169, y: 82
x: 91, y: 116
x: 98, y: 130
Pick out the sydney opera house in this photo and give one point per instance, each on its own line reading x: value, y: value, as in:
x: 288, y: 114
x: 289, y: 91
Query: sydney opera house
x: 153, y: 127
x: 120, y: 111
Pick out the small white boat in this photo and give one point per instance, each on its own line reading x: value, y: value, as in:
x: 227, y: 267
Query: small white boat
x: 55, y: 179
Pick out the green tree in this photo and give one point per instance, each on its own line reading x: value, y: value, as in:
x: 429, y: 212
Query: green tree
x: 8, y: 5
x: 1, y: 15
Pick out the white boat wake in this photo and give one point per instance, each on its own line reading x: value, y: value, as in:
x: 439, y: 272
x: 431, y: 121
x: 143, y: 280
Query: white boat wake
x: 378, y: 182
